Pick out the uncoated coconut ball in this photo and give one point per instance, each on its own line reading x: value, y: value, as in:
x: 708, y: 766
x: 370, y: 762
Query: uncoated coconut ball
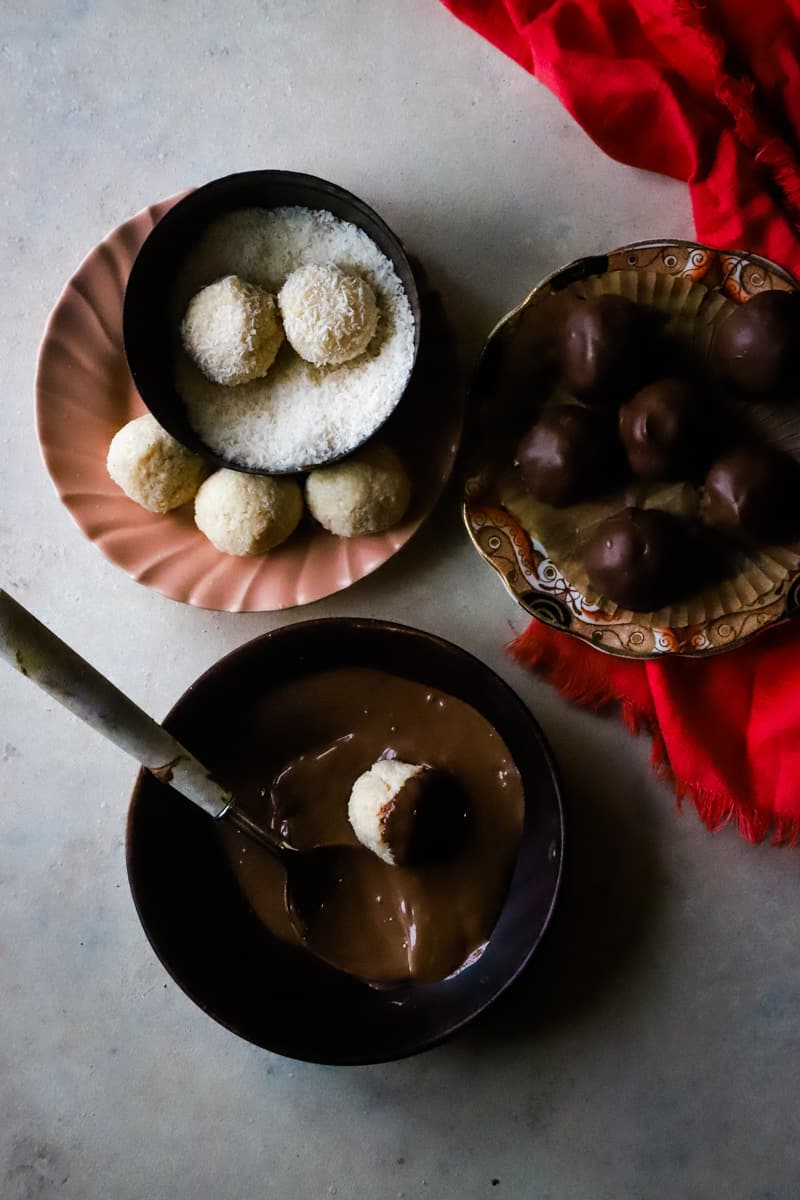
x: 151, y: 467
x: 329, y: 315
x: 232, y: 330
x: 247, y: 514
x: 367, y: 493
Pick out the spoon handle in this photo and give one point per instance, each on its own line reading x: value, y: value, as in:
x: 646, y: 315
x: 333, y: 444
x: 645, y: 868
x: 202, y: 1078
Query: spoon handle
x: 34, y: 650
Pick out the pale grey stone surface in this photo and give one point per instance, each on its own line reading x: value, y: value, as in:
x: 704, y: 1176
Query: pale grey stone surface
x: 653, y: 1049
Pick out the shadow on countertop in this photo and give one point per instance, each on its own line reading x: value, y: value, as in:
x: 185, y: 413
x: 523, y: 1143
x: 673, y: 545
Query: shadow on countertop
x: 611, y: 894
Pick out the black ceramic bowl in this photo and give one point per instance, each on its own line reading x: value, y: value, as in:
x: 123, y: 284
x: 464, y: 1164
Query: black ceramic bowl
x: 202, y: 928
x: 149, y: 330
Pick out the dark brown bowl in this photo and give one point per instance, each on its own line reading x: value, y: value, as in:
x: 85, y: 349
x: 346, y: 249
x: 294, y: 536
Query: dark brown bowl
x: 279, y: 996
x: 151, y: 339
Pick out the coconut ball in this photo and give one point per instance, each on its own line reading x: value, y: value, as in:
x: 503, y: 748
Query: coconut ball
x: 406, y: 812
x: 232, y: 330
x: 367, y: 493
x: 247, y: 514
x: 151, y: 467
x: 329, y: 315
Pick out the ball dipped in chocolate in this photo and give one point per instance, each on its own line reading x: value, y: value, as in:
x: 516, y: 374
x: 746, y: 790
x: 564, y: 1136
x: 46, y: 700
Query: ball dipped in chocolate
x: 756, y: 348
x: 407, y: 813
x: 601, y: 350
x: 569, y: 455
x: 661, y: 429
x: 753, y: 494
x: 634, y: 559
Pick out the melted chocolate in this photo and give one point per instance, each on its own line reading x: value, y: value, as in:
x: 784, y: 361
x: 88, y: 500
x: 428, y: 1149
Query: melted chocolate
x: 300, y: 751
x: 634, y: 558
x: 756, y: 349
x: 570, y: 454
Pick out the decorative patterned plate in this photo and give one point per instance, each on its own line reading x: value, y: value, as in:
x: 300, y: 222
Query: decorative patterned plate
x: 84, y: 394
x: 709, y: 280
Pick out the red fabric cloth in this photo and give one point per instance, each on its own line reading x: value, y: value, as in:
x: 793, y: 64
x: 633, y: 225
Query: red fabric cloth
x: 709, y: 94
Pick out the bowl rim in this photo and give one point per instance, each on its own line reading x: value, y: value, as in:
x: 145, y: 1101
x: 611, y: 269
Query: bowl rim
x: 173, y: 218
x: 392, y: 628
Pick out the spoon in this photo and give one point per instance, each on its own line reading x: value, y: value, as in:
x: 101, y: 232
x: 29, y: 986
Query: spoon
x: 44, y: 658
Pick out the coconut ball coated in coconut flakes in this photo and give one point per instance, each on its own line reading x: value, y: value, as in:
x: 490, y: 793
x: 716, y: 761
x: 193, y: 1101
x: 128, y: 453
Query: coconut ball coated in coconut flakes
x: 246, y: 515
x: 232, y: 331
x: 151, y: 467
x: 367, y: 493
x: 329, y: 315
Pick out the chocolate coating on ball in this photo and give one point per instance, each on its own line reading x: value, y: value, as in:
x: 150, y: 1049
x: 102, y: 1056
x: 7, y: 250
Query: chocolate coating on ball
x: 426, y: 819
x: 569, y: 455
x: 602, y: 347
x: 662, y: 430
x: 753, y: 495
x: 756, y: 349
x: 634, y: 559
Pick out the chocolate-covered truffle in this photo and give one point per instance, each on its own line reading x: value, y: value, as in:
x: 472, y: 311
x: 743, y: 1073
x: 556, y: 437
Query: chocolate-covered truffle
x: 634, y: 559
x: 756, y: 348
x: 662, y: 430
x: 753, y: 494
x: 602, y: 346
x: 570, y: 454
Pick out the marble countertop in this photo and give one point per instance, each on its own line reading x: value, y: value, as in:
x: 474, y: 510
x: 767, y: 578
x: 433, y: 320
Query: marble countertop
x: 652, y: 1049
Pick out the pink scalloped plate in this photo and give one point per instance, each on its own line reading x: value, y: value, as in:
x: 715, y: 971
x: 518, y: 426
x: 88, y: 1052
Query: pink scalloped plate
x: 84, y: 394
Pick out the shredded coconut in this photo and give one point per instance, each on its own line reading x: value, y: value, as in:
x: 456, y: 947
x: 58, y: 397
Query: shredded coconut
x: 298, y: 414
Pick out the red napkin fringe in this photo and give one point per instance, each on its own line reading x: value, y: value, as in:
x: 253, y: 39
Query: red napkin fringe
x: 585, y: 680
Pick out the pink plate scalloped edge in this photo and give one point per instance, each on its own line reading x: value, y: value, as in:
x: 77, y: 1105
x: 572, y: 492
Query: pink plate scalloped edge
x: 84, y: 394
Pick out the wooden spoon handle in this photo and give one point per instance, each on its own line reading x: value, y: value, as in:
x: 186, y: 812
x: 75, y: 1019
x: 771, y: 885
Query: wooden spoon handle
x: 34, y: 650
